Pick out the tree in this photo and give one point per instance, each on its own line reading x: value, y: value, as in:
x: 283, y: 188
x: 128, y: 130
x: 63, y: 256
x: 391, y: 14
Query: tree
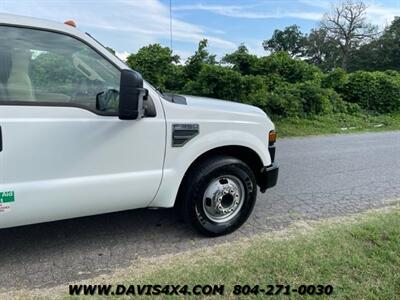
x: 176, y: 79
x: 216, y: 81
x: 388, y: 47
x: 53, y: 72
x: 288, y: 69
x: 154, y: 62
x: 380, y: 54
x: 346, y: 25
x: 195, y: 62
x: 290, y: 40
x: 241, y: 60
x: 320, y: 50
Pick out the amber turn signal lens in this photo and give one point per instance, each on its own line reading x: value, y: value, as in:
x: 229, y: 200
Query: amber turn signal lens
x: 272, y: 137
x: 70, y: 23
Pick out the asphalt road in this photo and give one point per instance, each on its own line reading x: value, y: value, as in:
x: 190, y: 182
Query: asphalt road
x: 319, y: 177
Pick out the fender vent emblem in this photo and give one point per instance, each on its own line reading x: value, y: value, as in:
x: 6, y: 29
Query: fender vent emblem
x: 182, y: 133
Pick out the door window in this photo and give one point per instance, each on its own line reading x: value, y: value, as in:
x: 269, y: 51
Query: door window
x: 48, y: 67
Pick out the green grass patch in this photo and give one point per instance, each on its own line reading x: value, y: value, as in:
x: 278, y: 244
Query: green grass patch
x: 359, y: 256
x: 335, y: 123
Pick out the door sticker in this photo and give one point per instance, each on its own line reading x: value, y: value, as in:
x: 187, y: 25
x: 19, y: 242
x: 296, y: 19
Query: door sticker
x: 6, y: 198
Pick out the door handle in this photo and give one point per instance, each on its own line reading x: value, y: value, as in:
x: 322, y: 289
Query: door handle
x: 1, y: 140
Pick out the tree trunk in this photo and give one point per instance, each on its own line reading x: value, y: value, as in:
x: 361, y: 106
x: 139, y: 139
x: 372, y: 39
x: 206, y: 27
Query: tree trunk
x: 345, y: 59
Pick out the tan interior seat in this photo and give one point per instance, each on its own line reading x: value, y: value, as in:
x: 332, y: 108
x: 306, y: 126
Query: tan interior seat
x: 19, y: 85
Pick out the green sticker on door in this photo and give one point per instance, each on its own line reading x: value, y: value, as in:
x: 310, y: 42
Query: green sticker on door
x: 7, y: 197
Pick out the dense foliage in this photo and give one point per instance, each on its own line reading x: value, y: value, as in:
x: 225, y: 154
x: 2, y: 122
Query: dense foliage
x: 327, y: 71
x: 279, y: 84
x: 154, y: 62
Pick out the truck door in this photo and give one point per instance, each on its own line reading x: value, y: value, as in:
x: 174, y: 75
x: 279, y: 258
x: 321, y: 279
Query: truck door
x: 62, y: 156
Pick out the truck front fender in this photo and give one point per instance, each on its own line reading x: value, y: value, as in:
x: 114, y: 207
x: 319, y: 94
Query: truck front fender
x: 179, y: 159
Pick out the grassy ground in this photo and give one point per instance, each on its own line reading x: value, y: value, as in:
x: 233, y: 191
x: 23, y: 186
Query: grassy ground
x: 358, y: 255
x: 360, y: 260
x: 338, y: 123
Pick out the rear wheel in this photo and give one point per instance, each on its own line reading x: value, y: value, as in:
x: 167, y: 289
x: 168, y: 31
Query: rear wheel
x: 218, y: 195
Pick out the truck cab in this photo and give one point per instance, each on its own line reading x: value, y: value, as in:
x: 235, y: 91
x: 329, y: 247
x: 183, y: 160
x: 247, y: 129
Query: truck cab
x: 83, y: 134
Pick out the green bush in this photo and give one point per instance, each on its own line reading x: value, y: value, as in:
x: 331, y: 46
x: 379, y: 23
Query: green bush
x: 284, y: 101
x: 335, y: 79
x: 154, y: 62
x: 306, y: 98
x: 45, y: 72
x: 392, y: 73
x: 254, y: 90
x: 289, y: 69
x: 175, y: 81
x: 374, y: 91
x: 278, y: 83
x: 316, y: 100
x: 216, y: 81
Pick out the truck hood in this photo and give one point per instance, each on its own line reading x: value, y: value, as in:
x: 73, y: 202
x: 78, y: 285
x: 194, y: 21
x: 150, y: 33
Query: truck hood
x: 223, y: 106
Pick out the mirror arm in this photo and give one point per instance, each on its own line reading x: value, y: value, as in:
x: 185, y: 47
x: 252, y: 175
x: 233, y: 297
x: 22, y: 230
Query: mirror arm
x: 145, y: 94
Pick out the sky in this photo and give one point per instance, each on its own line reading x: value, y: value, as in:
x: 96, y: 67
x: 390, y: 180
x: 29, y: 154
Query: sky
x: 128, y: 25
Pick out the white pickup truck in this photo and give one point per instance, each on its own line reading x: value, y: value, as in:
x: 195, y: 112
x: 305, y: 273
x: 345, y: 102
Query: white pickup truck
x: 82, y: 134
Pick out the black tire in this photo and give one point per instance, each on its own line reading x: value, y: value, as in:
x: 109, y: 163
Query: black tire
x: 198, y: 180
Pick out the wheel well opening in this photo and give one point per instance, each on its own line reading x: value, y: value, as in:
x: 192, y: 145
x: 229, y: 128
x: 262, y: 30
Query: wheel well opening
x: 245, y: 154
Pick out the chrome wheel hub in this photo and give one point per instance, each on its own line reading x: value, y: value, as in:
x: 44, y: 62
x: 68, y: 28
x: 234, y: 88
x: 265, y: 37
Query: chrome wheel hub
x: 223, y: 198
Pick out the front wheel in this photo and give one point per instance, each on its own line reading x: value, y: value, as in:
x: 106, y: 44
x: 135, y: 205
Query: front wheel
x: 219, y: 195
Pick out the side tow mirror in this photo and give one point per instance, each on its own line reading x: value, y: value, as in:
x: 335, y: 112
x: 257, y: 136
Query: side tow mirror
x: 131, y: 95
